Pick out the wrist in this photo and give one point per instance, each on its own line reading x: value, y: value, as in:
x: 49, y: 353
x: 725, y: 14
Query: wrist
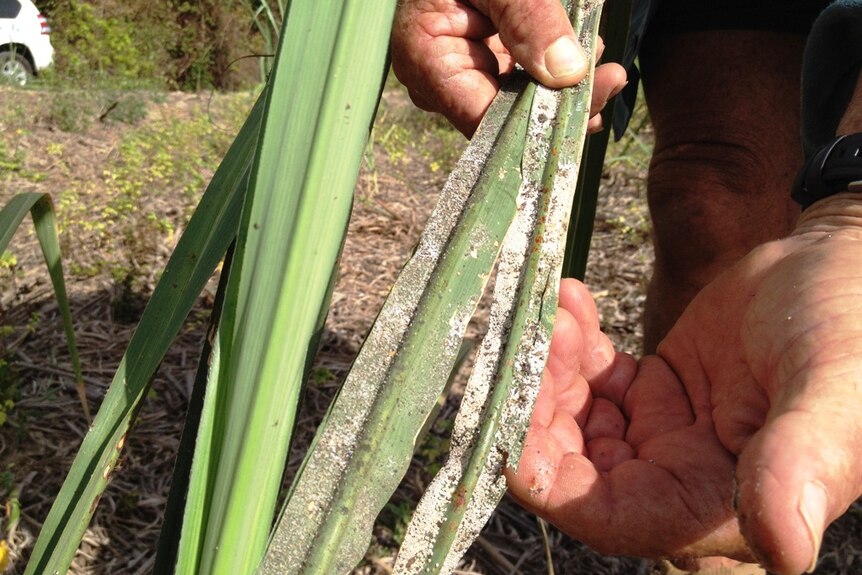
x: 841, y: 212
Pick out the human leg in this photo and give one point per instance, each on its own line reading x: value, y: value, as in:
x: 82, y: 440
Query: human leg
x: 725, y: 109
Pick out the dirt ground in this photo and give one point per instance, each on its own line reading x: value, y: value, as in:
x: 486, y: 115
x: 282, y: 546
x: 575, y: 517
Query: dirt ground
x: 395, y: 193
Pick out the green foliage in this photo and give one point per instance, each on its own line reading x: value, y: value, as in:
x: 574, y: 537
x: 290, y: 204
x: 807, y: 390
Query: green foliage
x: 12, y: 159
x: 90, y: 43
x: 404, y: 134
x: 268, y: 16
x: 162, y: 160
x: 396, y: 516
x: 635, y: 146
x: 168, y: 43
x: 8, y: 387
x: 77, y: 110
x: 8, y: 261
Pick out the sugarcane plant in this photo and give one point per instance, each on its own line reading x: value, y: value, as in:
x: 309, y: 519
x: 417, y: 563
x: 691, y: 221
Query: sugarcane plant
x: 279, y: 205
x: 41, y: 209
x: 267, y: 16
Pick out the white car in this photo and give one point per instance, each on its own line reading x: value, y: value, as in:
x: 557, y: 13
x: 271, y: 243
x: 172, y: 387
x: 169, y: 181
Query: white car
x: 25, y: 46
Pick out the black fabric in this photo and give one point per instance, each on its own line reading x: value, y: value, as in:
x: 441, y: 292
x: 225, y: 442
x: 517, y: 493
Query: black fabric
x: 830, y: 69
x: 662, y: 17
x: 795, y: 16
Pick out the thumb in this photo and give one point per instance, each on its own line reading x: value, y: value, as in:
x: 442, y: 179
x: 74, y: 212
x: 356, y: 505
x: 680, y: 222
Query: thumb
x: 540, y: 38
x: 796, y: 475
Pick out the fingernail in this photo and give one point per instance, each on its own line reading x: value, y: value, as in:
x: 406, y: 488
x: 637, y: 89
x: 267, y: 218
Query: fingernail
x: 618, y: 89
x: 812, y: 507
x: 565, y: 58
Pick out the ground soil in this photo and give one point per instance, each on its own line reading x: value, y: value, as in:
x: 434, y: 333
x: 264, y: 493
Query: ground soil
x: 395, y: 194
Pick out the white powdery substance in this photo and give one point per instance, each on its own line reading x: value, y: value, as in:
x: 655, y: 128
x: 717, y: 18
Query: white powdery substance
x: 432, y: 511
x: 533, y: 351
x: 324, y: 471
x: 529, y: 365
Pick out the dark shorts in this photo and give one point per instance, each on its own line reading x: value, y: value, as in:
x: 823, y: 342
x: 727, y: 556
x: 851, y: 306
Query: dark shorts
x: 675, y: 16
x: 655, y: 18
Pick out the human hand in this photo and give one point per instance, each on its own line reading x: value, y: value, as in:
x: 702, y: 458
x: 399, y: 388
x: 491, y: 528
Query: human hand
x: 759, y: 381
x: 618, y: 456
x: 450, y: 54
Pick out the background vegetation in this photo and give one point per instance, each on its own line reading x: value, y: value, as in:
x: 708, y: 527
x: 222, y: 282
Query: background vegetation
x: 174, y: 44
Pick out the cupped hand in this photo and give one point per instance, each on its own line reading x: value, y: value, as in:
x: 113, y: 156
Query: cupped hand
x: 450, y: 54
x: 618, y: 456
x: 752, y: 402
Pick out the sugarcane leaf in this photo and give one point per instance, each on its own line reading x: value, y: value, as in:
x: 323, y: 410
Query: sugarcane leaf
x: 615, y: 35
x: 173, y: 524
x: 498, y: 401
x: 364, y: 446
x: 294, y: 221
x: 41, y: 208
x: 211, y: 229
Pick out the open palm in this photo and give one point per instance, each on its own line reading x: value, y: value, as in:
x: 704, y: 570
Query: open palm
x: 626, y: 464
x: 755, y: 389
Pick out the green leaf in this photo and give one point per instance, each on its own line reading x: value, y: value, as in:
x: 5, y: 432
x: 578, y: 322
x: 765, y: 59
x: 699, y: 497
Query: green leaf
x: 364, y: 446
x: 615, y: 35
x: 42, y: 210
x: 294, y: 221
x: 211, y: 229
x: 496, y: 409
x: 173, y: 524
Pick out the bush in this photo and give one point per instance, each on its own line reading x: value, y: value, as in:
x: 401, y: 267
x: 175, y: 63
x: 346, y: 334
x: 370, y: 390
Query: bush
x: 168, y: 43
x: 90, y: 44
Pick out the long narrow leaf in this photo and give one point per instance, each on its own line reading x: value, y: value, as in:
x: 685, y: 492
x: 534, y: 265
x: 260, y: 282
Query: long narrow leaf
x: 42, y: 210
x: 211, y: 229
x: 172, y: 525
x: 615, y: 36
x: 405, y: 360
x: 496, y: 408
x: 324, y: 90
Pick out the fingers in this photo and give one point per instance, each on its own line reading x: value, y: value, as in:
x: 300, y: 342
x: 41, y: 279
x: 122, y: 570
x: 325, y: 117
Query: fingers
x: 439, y: 54
x: 540, y: 38
x: 595, y: 356
x: 795, y: 476
x: 450, y: 53
x: 563, y: 387
x: 609, y: 81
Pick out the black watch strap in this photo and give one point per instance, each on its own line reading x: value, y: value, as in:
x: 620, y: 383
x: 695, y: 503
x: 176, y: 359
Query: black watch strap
x: 834, y: 168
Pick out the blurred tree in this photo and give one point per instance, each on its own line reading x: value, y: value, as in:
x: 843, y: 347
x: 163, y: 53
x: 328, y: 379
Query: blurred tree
x: 180, y: 44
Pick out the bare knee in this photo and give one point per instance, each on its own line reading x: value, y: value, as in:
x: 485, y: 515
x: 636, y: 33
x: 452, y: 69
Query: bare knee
x: 712, y: 201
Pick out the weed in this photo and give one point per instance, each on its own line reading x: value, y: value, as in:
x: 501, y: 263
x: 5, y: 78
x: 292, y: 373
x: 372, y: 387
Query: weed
x: 635, y: 146
x: 635, y: 227
x: 435, y: 445
x: 8, y: 261
x: 77, y: 110
x: 321, y: 376
x: 13, y: 159
x: 397, y: 517
x: 405, y: 134
x: 71, y: 111
x: 8, y: 381
x: 145, y: 190
x: 10, y: 160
